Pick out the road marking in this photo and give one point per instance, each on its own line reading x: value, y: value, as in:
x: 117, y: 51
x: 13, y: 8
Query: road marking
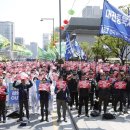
x: 54, y: 114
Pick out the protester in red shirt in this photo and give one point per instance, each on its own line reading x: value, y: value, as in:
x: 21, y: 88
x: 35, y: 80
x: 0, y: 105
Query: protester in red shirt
x: 120, y: 87
x: 84, y: 87
x: 44, y: 91
x: 62, y: 92
x: 104, y: 92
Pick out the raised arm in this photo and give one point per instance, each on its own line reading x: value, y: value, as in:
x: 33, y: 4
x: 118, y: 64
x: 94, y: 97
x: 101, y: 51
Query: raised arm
x: 14, y: 84
x: 30, y: 85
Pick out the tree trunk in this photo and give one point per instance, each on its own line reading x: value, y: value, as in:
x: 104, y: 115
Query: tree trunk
x: 122, y: 61
x: 96, y: 58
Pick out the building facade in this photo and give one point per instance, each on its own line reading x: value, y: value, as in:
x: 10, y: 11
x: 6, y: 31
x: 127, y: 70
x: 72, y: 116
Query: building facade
x: 46, y: 40
x: 19, y: 40
x: 7, y: 30
x: 34, y: 49
x: 85, y: 29
x: 91, y: 12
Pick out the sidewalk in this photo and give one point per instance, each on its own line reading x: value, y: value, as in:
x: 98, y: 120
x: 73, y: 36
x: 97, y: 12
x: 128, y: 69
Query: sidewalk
x: 122, y: 122
x: 35, y: 124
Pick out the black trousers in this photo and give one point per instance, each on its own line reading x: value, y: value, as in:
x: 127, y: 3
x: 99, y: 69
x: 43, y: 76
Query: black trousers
x: 91, y: 98
x: 44, y: 104
x: 3, y: 110
x: 97, y: 94
x: 128, y: 98
x: 81, y: 101
x: 117, y: 99
x: 74, y: 98
x: 103, y: 99
x: 25, y: 104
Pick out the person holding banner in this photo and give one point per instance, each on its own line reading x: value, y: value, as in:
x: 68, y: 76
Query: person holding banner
x: 104, y: 92
x: 44, y: 91
x: 61, y: 90
x: 72, y: 83
x: 83, y: 88
x: 23, y: 88
x: 3, y: 93
x: 119, y: 87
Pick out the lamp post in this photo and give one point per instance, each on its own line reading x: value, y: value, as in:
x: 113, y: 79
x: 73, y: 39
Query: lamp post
x: 42, y: 19
x: 60, y: 27
x: 128, y: 9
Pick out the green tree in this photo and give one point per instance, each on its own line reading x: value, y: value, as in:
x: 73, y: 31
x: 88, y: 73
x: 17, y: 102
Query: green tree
x: 116, y: 47
x: 4, y: 42
x: 100, y: 50
x: 124, y: 8
x: 87, y: 48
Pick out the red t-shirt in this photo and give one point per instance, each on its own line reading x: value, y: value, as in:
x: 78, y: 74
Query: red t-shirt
x: 3, y: 93
x: 44, y: 87
x: 120, y: 85
x: 84, y: 84
x: 103, y: 84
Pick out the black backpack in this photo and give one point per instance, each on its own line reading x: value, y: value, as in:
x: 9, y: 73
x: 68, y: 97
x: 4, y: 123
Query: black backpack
x: 96, y: 105
x: 94, y: 113
x: 108, y: 116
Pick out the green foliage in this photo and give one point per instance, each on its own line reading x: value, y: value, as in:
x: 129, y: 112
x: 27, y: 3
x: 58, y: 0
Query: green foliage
x: 21, y: 49
x: 124, y: 8
x: 49, y: 55
x: 4, y: 42
x: 114, y: 47
x: 100, y: 51
x: 87, y: 48
x: 40, y: 53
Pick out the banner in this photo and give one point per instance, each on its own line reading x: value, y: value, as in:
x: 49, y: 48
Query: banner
x: 37, y: 85
x: 68, y: 53
x: 115, y: 22
x: 13, y: 94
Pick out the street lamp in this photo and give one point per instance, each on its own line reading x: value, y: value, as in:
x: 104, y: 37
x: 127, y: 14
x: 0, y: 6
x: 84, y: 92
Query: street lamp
x: 60, y: 27
x: 42, y: 19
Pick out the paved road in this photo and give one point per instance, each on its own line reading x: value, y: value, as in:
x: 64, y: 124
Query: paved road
x: 122, y: 122
x: 35, y: 123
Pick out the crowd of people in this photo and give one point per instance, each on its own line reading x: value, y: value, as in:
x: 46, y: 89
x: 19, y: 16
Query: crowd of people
x: 74, y: 82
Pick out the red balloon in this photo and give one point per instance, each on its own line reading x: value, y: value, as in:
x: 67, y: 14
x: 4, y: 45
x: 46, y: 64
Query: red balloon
x: 62, y: 28
x: 66, y: 21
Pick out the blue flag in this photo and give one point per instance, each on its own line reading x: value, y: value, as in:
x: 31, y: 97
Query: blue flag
x: 115, y: 22
x: 77, y: 49
x: 68, y: 53
x: 83, y: 55
x: 129, y: 11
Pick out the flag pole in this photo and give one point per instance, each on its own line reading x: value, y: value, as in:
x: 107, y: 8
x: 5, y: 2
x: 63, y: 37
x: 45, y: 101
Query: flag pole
x: 127, y: 45
x: 96, y: 60
x: 101, y: 17
x: 60, y: 28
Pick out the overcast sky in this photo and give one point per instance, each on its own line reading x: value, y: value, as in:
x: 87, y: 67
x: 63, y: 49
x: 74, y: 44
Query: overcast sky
x: 26, y: 14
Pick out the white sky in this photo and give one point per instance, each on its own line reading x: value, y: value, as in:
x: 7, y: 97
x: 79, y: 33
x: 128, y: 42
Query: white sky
x: 26, y: 14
